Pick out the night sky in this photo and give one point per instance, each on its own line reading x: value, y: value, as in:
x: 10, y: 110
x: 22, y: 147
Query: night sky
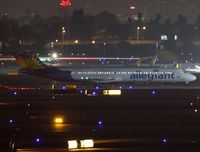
x: 169, y: 8
x: 50, y: 7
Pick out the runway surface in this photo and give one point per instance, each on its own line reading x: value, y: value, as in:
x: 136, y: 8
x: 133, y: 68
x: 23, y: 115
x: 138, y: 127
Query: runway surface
x: 138, y: 120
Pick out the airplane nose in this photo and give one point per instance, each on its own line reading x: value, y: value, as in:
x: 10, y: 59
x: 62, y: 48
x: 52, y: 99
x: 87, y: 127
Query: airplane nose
x: 193, y: 78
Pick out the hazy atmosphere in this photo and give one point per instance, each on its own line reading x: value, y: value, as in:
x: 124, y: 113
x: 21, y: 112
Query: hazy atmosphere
x: 169, y: 8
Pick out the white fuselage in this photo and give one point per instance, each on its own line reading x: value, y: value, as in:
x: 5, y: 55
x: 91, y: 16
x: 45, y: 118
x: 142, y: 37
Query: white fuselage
x: 103, y: 75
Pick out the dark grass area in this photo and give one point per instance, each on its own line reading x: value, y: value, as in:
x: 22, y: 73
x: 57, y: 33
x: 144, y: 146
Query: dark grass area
x: 138, y: 115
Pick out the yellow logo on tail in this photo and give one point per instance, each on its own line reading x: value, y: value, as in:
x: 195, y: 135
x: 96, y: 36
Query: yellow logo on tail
x: 27, y: 61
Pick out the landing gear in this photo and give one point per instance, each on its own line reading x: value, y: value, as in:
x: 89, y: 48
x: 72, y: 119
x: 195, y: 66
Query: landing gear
x: 53, y: 84
x: 186, y: 84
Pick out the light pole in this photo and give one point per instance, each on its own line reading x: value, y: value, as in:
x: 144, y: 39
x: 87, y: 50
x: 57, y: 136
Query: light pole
x: 138, y: 33
x: 143, y: 29
x: 63, y: 34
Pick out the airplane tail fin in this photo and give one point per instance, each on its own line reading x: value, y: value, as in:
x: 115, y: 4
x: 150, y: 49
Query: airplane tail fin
x: 28, y: 61
x: 154, y: 58
x: 33, y: 66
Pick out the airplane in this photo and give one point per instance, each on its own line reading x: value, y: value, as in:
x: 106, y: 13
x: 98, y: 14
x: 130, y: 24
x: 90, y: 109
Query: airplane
x: 33, y: 66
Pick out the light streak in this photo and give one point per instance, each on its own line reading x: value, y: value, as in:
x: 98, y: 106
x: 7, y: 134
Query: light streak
x: 78, y: 58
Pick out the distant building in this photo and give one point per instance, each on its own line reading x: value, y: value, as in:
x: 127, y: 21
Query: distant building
x: 25, y: 19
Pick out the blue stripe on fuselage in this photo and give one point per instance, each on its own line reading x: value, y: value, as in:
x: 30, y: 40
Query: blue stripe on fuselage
x: 53, y: 73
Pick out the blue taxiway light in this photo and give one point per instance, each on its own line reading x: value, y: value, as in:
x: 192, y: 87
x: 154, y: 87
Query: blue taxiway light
x: 63, y: 88
x: 154, y: 93
x: 37, y: 140
x: 100, y: 122
x: 164, y: 140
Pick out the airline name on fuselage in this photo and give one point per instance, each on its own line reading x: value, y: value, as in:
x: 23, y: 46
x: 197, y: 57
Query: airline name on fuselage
x: 138, y: 75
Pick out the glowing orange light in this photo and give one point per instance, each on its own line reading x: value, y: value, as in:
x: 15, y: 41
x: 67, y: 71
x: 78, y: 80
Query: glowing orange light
x: 58, y: 120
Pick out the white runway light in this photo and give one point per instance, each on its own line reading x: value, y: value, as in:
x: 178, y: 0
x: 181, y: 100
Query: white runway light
x: 88, y: 143
x: 55, y: 56
x: 72, y: 144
